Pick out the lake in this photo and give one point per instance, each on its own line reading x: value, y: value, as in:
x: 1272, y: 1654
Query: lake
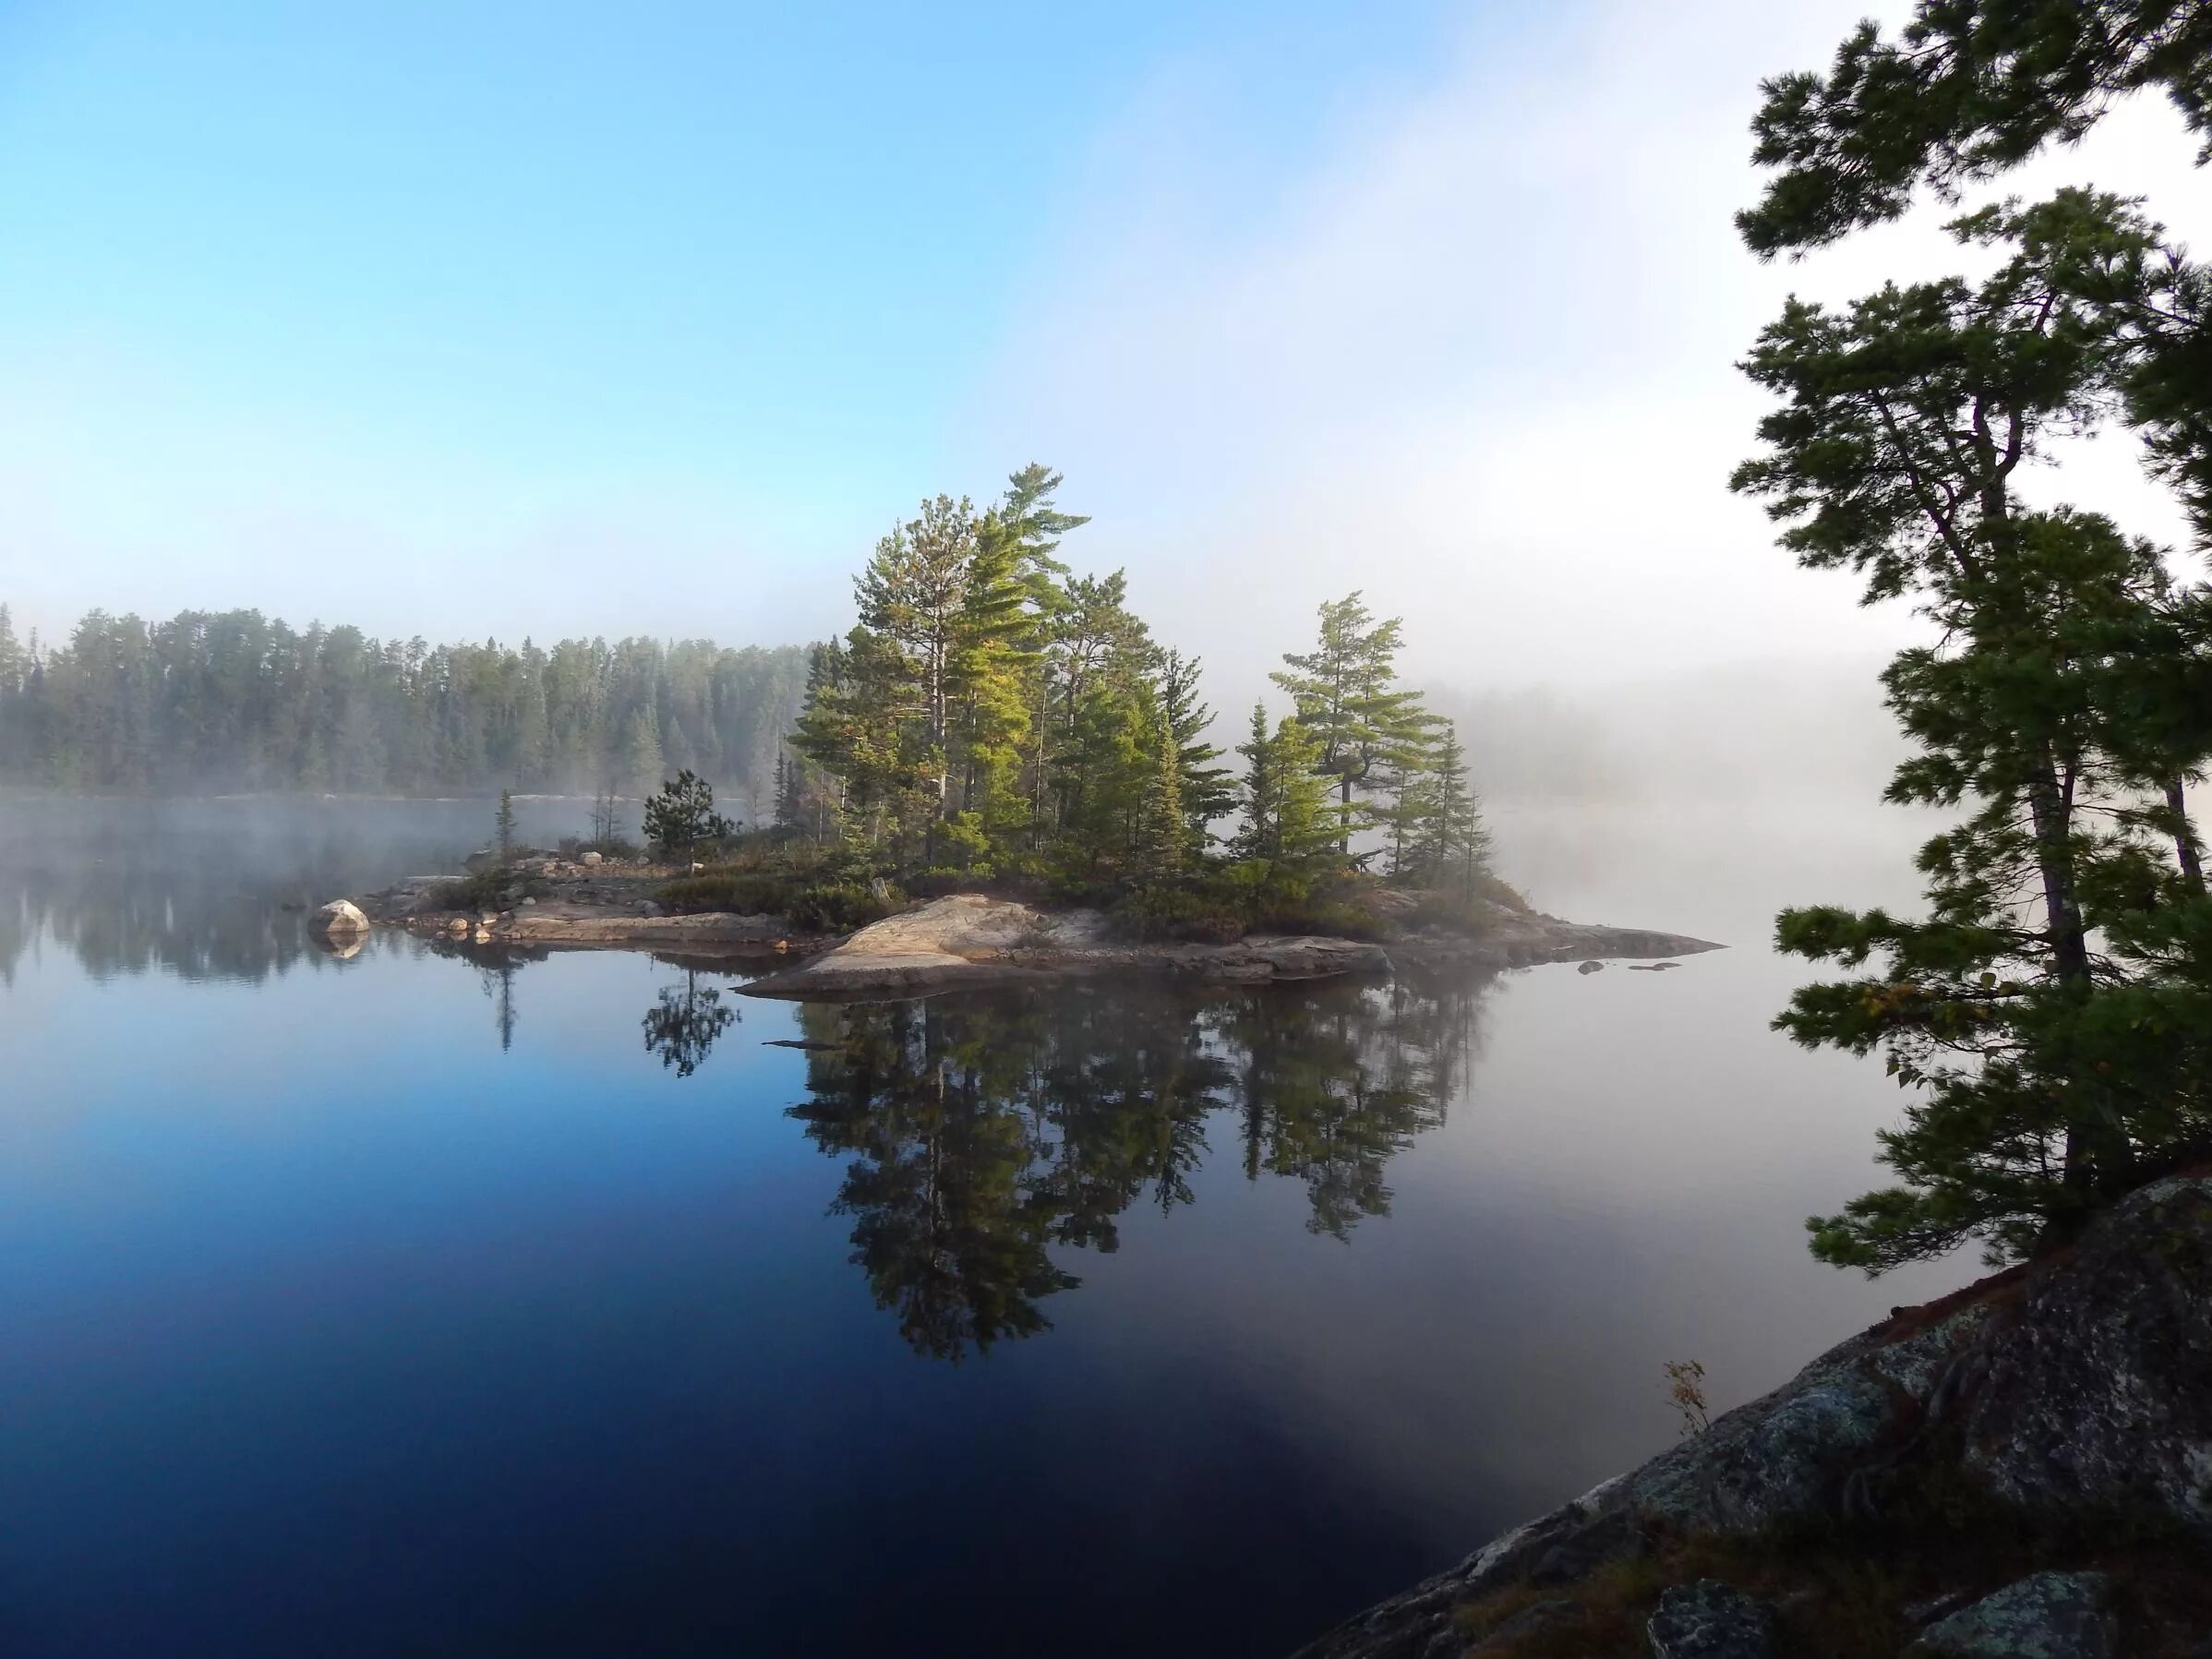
x: 450, y: 1301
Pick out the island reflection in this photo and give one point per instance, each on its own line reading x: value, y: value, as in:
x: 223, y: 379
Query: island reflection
x: 984, y: 1133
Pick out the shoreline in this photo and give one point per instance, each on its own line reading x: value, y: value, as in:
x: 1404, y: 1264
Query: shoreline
x: 970, y: 941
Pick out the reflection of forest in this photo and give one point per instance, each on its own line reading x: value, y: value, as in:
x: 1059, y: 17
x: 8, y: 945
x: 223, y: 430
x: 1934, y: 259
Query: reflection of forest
x: 211, y: 889
x: 985, y: 1131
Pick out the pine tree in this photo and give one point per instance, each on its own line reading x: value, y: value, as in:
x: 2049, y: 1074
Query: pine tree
x: 1207, y: 791
x: 1163, y: 833
x: 503, y: 827
x: 2053, y: 1012
x: 1286, y: 797
x: 1970, y: 89
x: 1457, y: 847
x: 1347, y: 698
x: 682, y: 814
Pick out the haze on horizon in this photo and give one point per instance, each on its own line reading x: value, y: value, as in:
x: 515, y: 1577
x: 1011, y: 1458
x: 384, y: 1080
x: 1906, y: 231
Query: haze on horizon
x: 546, y: 323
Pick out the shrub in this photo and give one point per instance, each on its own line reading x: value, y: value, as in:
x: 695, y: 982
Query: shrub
x: 487, y: 890
x: 1180, y: 913
x: 1330, y: 918
x: 749, y: 893
x: 840, y: 907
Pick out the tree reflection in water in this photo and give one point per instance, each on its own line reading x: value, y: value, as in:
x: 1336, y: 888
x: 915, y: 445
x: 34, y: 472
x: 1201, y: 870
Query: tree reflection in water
x: 984, y: 1132
x: 684, y: 1024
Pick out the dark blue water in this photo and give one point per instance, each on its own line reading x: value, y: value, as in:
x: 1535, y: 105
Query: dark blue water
x: 432, y: 1302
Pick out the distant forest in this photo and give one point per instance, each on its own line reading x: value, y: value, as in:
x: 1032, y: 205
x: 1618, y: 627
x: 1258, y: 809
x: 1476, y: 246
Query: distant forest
x: 234, y: 700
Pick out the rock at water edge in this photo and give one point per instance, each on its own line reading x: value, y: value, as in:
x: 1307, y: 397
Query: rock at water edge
x: 341, y: 918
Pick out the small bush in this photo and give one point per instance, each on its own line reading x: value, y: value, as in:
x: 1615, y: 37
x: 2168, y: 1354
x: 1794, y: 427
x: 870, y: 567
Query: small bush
x: 492, y: 889
x: 840, y: 907
x: 1328, y: 918
x: 749, y: 893
x: 1180, y: 913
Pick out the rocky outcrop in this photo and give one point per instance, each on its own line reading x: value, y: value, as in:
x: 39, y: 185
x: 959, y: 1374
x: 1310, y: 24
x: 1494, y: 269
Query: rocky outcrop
x: 2044, y: 1615
x: 1710, y: 1620
x: 2081, y: 1384
x: 2100, y: 1392
x: 964, y: 941
x: 968, y: 941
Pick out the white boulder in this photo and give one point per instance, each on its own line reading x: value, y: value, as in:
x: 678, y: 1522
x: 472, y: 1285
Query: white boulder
x: 341, y: 918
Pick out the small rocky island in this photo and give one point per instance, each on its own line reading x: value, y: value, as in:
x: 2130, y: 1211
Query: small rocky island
x: 2020, y: 1471
x: 958, y: 941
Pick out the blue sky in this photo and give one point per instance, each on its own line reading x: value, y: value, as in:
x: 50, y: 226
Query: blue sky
x: 745, y: 264
x: 504, y: 320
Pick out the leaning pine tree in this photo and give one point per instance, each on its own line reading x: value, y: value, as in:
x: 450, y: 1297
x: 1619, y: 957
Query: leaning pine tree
x: 2052, y: 1010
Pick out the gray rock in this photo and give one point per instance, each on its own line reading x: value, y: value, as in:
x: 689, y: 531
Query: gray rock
x: 2049, y: 1615
x: 527, y: 900
x: 2085, y: 1380
x: 1710, y: 1620
x: 2102, y: 1391
x: 1592, y: 968
x: 592, y: 860
x: 341, y: 918
x: 648, y: 908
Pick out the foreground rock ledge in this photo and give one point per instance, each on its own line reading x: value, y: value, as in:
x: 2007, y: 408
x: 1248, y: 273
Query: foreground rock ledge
x: 2082, y: 1385
x: 970, y: 942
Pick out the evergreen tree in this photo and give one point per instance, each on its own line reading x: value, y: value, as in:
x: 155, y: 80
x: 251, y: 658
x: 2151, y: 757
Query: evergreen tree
x: 1207, y: 791
x: 1163, y: 831
x: 1971, y: 89
x: 2054, y: 1010
x: 682, y: 814
x: 503, y: 827
x: 1456, y: 849
x: 1286, y: 797
x: 1347, y: 698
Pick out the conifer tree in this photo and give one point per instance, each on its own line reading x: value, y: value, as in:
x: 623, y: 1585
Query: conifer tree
x: 1163, y: 831
x: 1347, y: 699
x: 1286, y: 797
x: 682, y: 814
x: 1456, y: 847
x: 2053, y: 1012
x: 1207, y: 791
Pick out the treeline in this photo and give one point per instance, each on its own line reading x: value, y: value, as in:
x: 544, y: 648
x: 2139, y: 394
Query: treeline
x: 991, y: 713
x: 236, y: 700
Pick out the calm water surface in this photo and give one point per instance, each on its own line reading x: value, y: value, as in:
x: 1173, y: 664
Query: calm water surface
x: 476, y: 1303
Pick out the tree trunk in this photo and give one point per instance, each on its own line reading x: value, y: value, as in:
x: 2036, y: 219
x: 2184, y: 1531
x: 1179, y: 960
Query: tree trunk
x: 2185, y: 838
x: 2051, y: 814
